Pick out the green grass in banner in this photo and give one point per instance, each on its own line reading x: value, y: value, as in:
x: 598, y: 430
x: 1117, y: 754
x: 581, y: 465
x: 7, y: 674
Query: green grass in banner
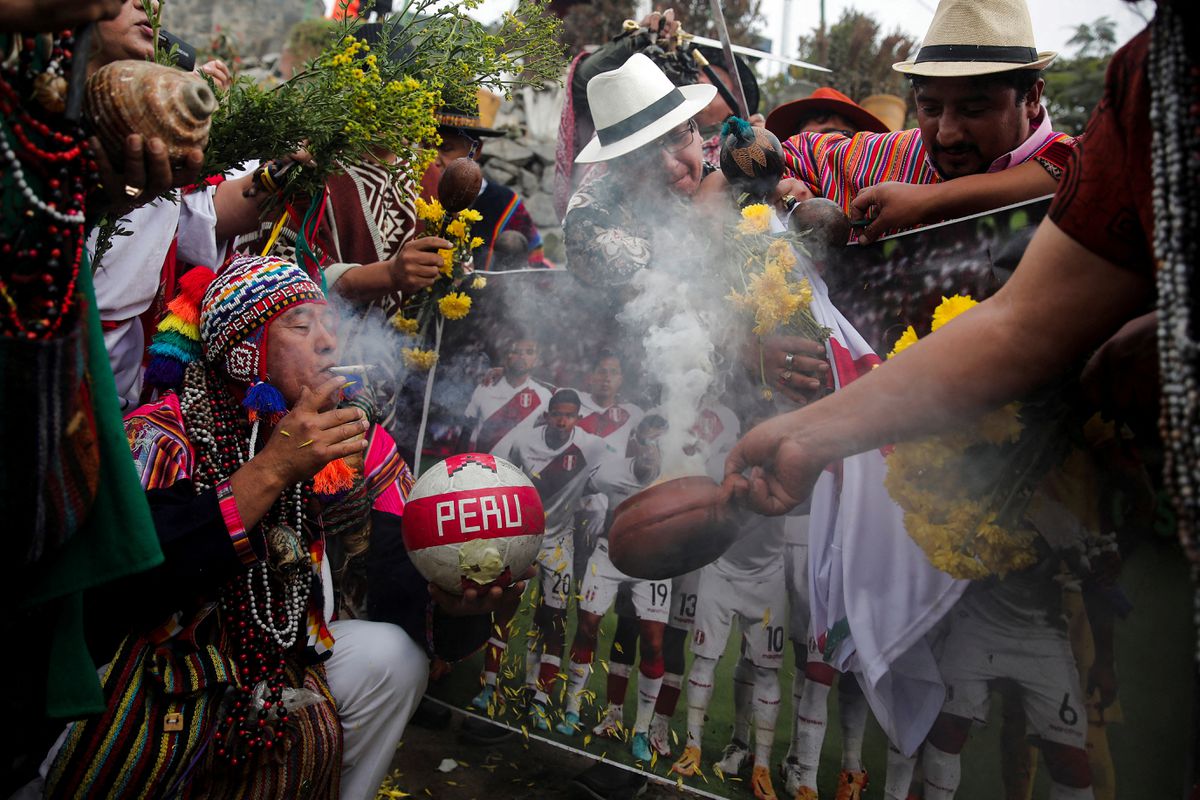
x: 1149, y: 748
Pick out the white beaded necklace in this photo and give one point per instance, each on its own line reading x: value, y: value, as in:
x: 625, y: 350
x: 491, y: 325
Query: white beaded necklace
x: 1175, y: 168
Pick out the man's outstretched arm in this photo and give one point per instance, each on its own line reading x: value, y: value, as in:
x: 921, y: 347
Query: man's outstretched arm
x: 1062, y: 302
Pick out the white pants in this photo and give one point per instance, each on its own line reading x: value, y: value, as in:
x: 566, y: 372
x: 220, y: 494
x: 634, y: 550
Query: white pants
x: 377, y: 675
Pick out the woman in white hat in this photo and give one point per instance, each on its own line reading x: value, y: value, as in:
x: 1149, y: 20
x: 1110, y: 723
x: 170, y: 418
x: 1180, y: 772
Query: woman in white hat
x: 646, y: 134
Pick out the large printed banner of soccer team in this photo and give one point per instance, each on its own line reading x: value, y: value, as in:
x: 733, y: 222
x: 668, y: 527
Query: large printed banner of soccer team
x: 985, y: 576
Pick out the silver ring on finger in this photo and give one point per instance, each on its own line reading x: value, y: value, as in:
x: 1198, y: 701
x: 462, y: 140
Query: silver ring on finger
x: 789, y: 360
x: 785, y: 376
x: 132, y: 192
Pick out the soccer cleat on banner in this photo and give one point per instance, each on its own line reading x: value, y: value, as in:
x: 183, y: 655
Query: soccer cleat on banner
x: 851, y: 785
x: 569, y: 725
x: 640, y: 747
x: 735, y: 758
x: 806, y: 793
x: 539, y: 716
x: 789, y: 770
x: 688, y: 763
x: 660, y: 736
x: 760, y: 783
x: 611, y: 725
x: 486, y: 698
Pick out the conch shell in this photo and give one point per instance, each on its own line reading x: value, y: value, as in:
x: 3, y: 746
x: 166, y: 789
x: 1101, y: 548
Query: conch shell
x: 155, y: 101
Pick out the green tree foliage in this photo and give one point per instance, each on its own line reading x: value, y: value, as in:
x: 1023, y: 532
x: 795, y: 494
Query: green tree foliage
x: 600, y: 20
x: 1074, y: 85
x: 741, y: 17
x: 860, y: 54
x: 593, y: 23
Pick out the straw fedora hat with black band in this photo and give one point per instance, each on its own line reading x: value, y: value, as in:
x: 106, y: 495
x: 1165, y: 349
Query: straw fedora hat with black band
x: 635, y: 104
x: 977, y: 37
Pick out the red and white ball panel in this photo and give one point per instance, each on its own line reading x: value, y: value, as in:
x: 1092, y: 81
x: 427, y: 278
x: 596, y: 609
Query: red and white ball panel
x: 473, y: 518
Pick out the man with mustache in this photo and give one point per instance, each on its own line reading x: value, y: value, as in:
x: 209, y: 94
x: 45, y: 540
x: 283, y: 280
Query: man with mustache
x: 979, y: 116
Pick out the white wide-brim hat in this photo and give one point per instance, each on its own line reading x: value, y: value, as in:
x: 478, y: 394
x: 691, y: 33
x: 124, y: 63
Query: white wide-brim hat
x: 977, y: 37
x: 635, y: 104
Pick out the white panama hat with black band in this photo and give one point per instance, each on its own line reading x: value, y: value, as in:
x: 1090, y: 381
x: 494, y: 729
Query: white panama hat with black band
x: 977, y: 37
x: 634, y: 105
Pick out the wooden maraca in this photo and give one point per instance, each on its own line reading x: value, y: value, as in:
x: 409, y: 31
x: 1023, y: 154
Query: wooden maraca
x: 672, y: 528
x: 751, y: 159
x: 459, y: 185
x: 826, y: 226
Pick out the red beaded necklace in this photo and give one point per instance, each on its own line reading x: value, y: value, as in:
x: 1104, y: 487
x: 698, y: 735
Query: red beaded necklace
x: 41, y: 249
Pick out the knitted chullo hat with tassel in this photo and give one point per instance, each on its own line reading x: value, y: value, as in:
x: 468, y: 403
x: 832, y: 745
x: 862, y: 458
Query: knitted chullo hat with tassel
x: 235, y: 313
x: 224, y: 320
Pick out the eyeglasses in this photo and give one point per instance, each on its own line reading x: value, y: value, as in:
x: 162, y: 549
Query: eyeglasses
x: 676, y: 140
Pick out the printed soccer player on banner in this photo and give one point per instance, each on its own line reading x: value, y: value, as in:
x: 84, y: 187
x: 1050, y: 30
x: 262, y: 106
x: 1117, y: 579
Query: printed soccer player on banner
x: 559, y: 458
x: 617, y: 479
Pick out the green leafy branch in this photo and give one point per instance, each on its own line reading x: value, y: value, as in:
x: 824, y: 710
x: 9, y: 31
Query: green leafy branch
x: 354, y: 103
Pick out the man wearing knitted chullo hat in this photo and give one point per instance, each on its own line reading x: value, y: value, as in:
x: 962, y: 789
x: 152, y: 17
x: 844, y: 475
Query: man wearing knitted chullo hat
x: 253, y: 472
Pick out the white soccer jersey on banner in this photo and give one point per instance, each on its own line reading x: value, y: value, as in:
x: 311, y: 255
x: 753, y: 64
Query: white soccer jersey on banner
x: 558, y: 473
x: 614, y: 479
x: 614, y: 424
x: 498, y: 409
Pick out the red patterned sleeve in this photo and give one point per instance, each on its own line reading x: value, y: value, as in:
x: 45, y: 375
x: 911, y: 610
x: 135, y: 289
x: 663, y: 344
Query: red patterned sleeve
x: 1104, y: 199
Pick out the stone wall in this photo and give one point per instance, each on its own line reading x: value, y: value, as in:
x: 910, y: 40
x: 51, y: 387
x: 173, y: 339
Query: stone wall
x: 258, y: 27
x: 524, y: 161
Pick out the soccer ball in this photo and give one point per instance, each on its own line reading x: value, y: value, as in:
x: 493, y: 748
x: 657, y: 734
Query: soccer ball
x: 473, y: 519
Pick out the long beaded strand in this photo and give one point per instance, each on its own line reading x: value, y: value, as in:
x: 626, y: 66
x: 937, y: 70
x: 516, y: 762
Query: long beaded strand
x: 1175, y: 168
x: 261, y: 631
x: 42, y: 251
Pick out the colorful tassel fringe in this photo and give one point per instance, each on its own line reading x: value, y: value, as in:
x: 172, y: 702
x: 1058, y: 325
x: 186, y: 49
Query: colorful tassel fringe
x: 177, y: 342
x: 336, y: 476
x: 264, y: 401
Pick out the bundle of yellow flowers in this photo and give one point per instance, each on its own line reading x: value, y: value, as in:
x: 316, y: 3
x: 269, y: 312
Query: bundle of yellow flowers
x: 764, y: 285
x: 950, y: 486
x: 444, y: 295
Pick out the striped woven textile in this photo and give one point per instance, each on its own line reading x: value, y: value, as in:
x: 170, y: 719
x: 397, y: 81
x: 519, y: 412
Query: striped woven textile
x: 137, y: 748
x: 389, y: 480
x: 161, y: 450
x: 838, y: 167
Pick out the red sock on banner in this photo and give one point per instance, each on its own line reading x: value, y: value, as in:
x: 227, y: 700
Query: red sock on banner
x: 548, y: 674
x: 618, y: 683
x: 668, y: 695
x: 493, y: 654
